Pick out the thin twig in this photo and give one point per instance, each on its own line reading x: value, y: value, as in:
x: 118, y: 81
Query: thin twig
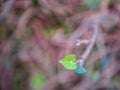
x: 78, y: 33
x: 89, y: 48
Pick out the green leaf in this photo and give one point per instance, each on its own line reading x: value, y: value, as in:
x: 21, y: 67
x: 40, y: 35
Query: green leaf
x: 68, y: 62
x: 36, y: 80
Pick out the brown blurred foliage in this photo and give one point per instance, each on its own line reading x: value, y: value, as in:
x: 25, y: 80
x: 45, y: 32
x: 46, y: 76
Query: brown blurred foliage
x: 35, y: 34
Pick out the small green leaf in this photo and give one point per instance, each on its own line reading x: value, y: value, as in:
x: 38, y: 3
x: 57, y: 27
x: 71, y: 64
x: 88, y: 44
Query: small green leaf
x: 71, y: 57
x: 80, y: 70
x: 36, y: 80
x: 68, y: 62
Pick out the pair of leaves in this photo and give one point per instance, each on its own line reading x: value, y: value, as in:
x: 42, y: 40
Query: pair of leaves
x: 69, y: 63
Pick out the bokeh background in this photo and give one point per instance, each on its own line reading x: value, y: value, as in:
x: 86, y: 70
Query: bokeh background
x: 36, y: 34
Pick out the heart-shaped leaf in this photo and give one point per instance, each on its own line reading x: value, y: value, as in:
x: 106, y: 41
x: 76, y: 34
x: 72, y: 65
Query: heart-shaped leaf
x: 80, y: 70
x: 68, y: 62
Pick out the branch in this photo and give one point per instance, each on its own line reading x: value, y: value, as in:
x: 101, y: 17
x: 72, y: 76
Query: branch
x: 78, y: 33
x: 83, y: 58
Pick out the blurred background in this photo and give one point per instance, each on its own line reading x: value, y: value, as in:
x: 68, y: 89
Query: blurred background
x: 36, y: 34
